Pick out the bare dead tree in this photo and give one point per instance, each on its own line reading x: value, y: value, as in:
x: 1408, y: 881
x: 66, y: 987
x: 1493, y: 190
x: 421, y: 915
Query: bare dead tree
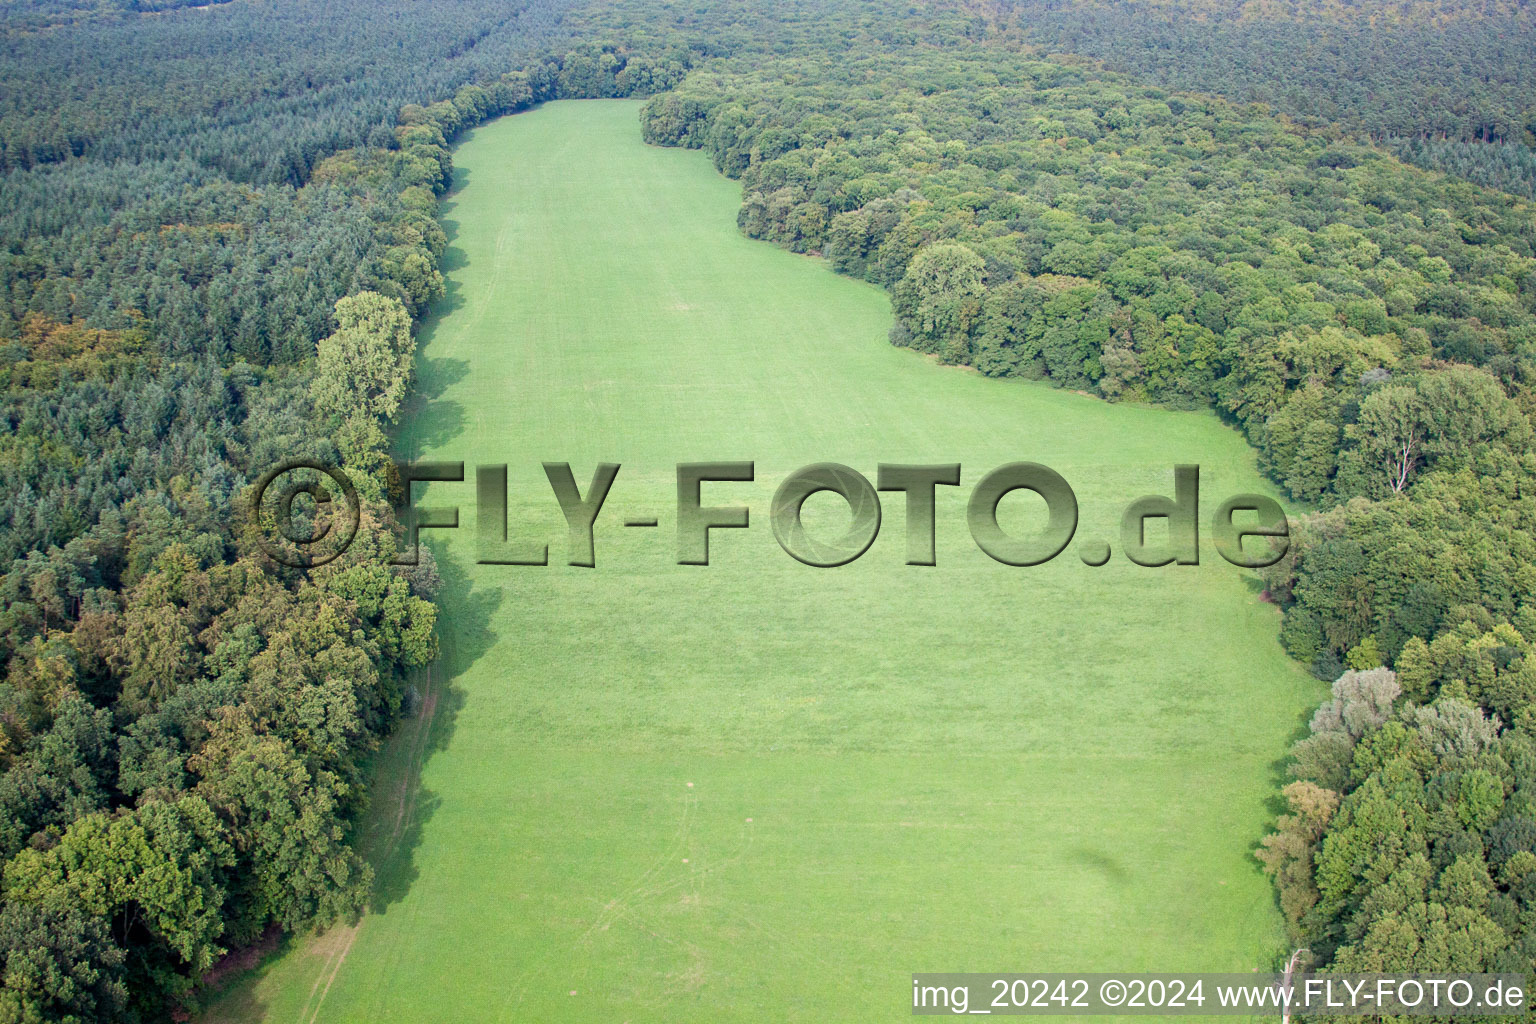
x: 1407, y: 459
x: 1286, y: 984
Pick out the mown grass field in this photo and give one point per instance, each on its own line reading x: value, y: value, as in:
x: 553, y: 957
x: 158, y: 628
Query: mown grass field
x: 757, y: 790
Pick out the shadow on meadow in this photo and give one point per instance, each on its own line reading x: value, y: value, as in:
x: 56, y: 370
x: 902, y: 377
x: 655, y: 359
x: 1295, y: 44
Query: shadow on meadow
x: 433, y: 420
x: 435, y: 376
x: 1276, y: 804
x: 436, y: 421
x: 408, y: 806
x: 232, y: 982
x: 397, y: 826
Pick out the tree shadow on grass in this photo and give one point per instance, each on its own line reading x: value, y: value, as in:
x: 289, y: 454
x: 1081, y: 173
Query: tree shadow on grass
x: 430, y: 420
x: 435, y: 423
x: 402, y: 805
x: 452, y: 299
x: 1280, y: 775
x: 229, y: 988
x: 435, y: 376
x: 1276, y: 805
x: 454, y: 258
x: 1279, y: 769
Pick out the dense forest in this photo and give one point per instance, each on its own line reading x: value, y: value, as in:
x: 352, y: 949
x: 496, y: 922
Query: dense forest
x: 1509, y: 166
x: 1457, y: 71
x: 219, y: 226
x: 20, y: 16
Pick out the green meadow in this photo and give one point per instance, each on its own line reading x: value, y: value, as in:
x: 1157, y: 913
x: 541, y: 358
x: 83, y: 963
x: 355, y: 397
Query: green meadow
x: 757, y: 790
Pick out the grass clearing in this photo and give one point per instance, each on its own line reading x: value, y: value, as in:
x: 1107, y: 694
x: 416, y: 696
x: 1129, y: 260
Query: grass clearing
x: 965, y: 767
